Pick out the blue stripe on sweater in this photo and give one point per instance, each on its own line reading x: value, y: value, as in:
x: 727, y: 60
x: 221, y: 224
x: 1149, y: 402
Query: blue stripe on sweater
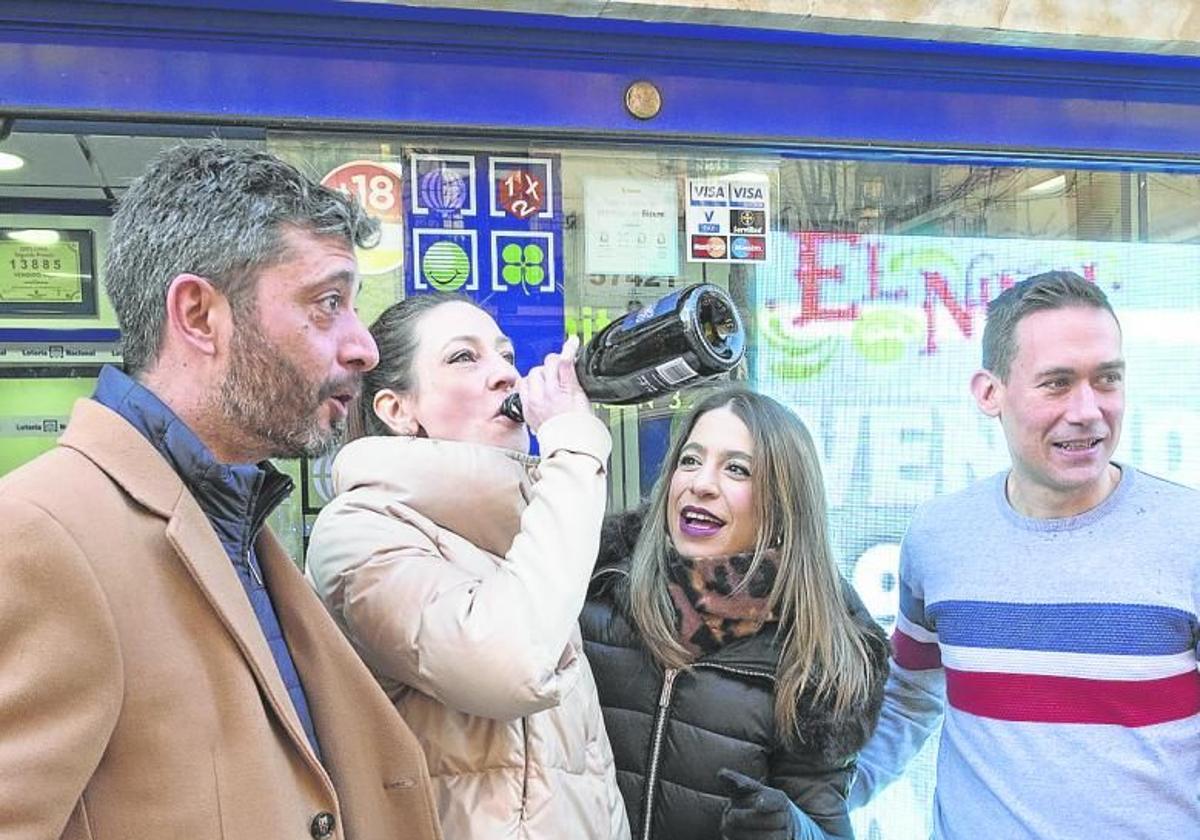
x: 1130, y: 629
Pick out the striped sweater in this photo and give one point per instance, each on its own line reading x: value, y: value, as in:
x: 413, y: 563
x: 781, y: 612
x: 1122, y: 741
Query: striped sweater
x: 1064, y: 655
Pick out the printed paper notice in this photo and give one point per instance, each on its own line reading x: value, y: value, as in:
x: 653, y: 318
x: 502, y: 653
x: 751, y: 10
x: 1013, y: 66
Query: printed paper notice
x: 32, y: 273
x: 727, y: 218
x: 631, y: 227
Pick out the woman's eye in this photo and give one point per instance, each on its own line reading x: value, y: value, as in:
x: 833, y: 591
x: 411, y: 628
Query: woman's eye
x: 740, y: 470
x: 511, y: 358
x: 462, y: 356
x: 688, y: 460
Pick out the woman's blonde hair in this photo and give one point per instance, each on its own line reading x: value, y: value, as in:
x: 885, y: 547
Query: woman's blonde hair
x: 823, y: 652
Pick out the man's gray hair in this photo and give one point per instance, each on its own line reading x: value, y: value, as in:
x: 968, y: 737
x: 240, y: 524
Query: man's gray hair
x: 1049, y: 290
x: 217, y: 211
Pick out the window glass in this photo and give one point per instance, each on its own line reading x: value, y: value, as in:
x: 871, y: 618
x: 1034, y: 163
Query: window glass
x: 863, y: 285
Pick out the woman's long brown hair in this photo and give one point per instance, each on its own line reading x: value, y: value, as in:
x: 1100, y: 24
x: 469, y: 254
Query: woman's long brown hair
x: 823, y: 651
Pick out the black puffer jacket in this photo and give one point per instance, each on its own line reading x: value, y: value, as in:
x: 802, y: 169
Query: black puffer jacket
x: 671, y: 732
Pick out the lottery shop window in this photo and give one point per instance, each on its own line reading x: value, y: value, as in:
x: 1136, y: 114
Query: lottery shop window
x: 863, y: 284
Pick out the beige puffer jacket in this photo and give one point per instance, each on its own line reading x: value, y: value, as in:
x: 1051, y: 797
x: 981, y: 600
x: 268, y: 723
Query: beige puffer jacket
x: 459, y: 571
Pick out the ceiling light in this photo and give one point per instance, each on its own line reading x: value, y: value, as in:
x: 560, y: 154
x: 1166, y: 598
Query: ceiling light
x: 9, y: 162
x: 1053, y: 184
x: 34, y: 237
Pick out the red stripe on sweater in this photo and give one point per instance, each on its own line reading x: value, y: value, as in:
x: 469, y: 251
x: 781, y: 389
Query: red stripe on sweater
x: 1049, y: 699
x: 913, y: 655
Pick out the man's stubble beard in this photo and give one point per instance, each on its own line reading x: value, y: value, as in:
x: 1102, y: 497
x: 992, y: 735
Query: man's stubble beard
x: 268, y: 400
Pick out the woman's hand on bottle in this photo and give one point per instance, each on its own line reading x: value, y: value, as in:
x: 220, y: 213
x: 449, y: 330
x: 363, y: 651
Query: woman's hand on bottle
x: 552, y: 388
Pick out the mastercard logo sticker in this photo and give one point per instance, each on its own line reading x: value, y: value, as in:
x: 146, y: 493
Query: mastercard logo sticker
x: 709, y: 247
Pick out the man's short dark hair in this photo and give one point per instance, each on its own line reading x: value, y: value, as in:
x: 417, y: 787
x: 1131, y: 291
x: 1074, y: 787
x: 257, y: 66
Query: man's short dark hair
x: 1050, y: 290
x: 219, y: 212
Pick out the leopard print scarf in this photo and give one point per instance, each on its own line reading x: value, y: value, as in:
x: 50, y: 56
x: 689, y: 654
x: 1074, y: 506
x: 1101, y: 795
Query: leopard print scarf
x: 710, y: 613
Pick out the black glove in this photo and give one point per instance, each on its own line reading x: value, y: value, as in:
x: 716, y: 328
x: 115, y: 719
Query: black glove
x: 758, y: 812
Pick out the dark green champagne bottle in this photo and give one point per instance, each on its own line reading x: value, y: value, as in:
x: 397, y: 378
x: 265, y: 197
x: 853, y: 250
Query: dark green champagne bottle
x: 682, y: 338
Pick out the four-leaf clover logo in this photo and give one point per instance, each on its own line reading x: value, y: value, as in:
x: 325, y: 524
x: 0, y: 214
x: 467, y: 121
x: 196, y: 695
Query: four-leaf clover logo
x: 523, y: 265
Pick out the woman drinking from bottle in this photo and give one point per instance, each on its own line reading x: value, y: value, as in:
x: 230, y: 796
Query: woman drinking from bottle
x: 457, y: 565
x: 738, y: 672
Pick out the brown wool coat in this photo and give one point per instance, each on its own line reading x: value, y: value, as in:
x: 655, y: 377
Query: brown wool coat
x: 138, y: 696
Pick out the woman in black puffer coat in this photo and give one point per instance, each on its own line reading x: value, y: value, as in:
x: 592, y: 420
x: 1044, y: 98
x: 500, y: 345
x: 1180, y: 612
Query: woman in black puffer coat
x: 739, y: 674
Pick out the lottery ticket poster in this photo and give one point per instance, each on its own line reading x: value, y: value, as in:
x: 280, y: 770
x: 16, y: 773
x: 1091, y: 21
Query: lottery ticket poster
x: 728, y: 218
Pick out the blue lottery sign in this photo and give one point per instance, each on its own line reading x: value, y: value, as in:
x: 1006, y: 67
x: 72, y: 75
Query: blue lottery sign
x: 490, y: 227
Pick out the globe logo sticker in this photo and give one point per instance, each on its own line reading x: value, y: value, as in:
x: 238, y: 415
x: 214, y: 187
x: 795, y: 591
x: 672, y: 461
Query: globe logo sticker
x: 446, y: 266
x: 443, y: 190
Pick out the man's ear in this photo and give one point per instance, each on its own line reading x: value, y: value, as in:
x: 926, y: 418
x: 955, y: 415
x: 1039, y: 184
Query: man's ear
x: 396, y: 411
x: 198, y: 314
x: 986, y: 388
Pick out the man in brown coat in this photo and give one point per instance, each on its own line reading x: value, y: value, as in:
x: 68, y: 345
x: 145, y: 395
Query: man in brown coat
x: 165, y: 671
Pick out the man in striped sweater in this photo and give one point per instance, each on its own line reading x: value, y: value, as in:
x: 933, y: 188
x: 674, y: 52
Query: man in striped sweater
x: 1050, y: 612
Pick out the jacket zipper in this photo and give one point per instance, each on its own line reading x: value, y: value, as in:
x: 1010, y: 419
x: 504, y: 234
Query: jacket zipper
x: 660, y: 725
x: 260, y: 510
x: 255, y: 572
x: 525, y: 774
